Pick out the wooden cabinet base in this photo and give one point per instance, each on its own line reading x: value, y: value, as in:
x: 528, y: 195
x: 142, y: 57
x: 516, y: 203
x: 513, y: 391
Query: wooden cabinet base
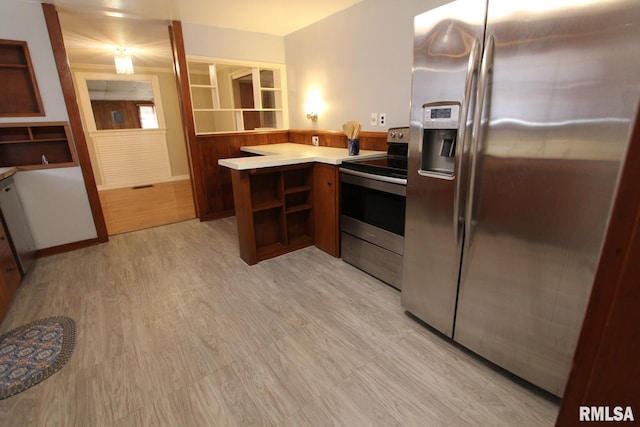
x: 283, y: 209
x: 326, y: 208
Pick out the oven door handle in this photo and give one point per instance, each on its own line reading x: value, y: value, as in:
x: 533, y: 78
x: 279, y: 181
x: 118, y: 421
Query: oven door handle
x: 389, y: 179
x: 364, y: 180
x: 472, y: 75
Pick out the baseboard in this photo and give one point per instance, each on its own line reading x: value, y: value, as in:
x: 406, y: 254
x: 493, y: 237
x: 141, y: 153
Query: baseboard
x: 218, y: 215
x: 67, y: 247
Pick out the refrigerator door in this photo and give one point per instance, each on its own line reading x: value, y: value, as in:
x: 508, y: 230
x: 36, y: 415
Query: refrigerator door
x: 447, y: 49
x: 562, y: 87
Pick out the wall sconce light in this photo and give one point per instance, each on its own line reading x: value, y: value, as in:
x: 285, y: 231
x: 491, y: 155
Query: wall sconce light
x: 123, y: 62
x: 311, y: 115
x: 314, y: 105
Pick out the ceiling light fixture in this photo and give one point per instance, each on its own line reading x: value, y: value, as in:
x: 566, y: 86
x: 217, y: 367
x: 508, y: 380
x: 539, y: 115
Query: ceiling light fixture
x: 123, y: 62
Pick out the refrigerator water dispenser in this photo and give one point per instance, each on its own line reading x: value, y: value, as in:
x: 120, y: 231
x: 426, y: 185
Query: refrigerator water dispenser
x: 440, y: 128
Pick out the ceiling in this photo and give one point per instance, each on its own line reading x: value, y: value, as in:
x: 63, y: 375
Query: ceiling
x: 93, y: 29
x: 119, y: 90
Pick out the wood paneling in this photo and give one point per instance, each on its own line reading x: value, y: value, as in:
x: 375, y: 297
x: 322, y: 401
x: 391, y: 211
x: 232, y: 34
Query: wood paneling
x: 368, y: 140
x: 217, y: 194
x: 103, y: 112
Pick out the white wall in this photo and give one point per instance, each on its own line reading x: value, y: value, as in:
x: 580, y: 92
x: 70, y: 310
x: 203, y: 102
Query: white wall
x: 215, y: 42
x: 360, y: 61
x: 55, y: 200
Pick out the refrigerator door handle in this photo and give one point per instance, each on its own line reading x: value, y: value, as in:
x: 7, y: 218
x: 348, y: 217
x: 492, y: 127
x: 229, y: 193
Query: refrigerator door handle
x: 472, y: 73
x: 476, y: 143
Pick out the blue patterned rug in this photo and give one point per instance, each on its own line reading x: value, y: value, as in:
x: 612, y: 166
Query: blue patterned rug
x: 33, y: 352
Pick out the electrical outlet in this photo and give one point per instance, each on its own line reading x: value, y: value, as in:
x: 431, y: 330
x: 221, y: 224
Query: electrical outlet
x: 315, y: 140
x: 374, y: 119
x: 382, y: 119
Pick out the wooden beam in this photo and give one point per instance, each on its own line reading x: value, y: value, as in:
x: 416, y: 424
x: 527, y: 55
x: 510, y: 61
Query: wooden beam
x: 186, y: 107
x: 70, y: 100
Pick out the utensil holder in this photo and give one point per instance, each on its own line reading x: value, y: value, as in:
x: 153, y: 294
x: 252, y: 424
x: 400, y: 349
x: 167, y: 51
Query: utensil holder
x: 354, y: 146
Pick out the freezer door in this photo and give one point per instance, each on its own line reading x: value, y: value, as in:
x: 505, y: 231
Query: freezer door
x: 447, y: 48
x: 562, y: 86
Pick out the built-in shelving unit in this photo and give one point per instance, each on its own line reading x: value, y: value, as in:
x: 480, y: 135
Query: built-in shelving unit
x: 274, y: 210
x: 19, y: 90
x: 41, y: 145
x: 230, y: 97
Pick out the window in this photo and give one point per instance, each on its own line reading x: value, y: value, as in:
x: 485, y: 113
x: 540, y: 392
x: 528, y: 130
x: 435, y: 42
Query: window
x: 148, y: 118
x: 233, y: 97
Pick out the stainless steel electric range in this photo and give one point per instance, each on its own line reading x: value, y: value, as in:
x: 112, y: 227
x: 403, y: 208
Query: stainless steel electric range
x: 372, y: 209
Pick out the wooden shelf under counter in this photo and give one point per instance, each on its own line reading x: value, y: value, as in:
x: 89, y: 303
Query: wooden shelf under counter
x: 285, y: 208
x: 277, y: 209
x: 267, y: 201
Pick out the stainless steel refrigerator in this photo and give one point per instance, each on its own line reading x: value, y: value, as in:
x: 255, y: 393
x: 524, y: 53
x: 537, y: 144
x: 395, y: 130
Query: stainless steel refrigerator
x: 520, y: 118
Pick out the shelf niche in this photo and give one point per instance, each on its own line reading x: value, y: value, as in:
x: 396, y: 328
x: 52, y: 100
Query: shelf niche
x: 274, y: 210
x: 29, y: 146
x: 19, y: 94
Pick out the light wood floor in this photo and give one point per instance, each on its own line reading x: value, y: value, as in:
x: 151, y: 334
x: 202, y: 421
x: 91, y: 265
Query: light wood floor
x: 173, y: 329
x: 130, y: 209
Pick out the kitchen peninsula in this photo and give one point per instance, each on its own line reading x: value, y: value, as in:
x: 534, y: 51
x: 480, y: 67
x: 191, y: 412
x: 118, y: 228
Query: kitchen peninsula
x: 286, y: 197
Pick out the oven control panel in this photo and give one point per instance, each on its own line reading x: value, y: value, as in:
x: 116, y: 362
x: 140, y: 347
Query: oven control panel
x: 400, y: 134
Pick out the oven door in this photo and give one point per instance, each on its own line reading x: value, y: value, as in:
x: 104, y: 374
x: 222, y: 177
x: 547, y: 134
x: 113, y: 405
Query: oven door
x: 372, y: 224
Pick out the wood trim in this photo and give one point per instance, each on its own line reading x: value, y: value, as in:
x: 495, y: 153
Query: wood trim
x: 605, y: 368
x: 184, y: 97
x: 70, y: 100
x: 326, y: 208
x: 68, y: 247
x: 244, y: 217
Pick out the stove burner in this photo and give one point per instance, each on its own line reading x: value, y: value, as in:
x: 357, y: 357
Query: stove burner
x: 394, y: 164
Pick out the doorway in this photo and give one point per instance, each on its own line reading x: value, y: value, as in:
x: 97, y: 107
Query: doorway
x: 140, y: 162
x: 244, y: 98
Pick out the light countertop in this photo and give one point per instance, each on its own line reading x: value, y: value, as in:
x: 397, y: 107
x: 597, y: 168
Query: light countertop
x: 7, y: 172
x: 288, y: 153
